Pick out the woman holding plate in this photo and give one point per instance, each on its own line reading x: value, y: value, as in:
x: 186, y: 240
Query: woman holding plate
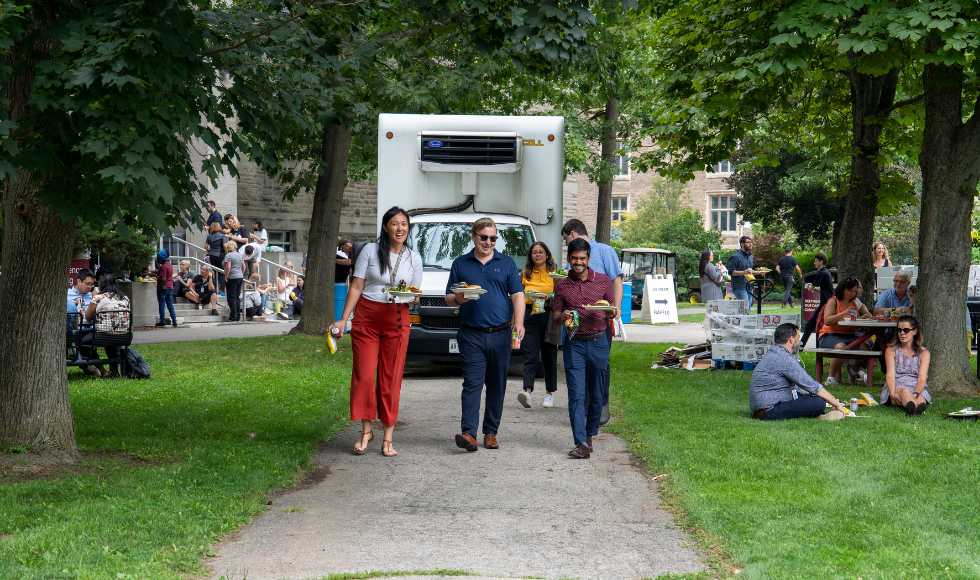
x: 379, y: 333
x: 538, y: 287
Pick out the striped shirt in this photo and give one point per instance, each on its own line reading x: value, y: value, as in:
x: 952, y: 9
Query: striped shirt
x: 778, y: 377
x: 572, y: 293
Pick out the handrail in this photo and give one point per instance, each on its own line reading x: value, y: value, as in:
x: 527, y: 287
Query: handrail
x: 273, y: 264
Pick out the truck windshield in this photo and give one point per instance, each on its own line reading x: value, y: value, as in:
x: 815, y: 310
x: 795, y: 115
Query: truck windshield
x: 441, y: 243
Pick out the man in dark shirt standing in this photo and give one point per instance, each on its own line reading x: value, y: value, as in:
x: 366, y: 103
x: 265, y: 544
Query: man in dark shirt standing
x: 739, y: 265
x: 784, y: 267
x: 215, y: 216
x: 484, y: 334
x: 825, y: 281
x: 586, y: 354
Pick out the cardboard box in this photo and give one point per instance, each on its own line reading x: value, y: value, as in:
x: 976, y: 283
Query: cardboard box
x: 738, y: 352
x: 728, y: 306
x: 774, y: 320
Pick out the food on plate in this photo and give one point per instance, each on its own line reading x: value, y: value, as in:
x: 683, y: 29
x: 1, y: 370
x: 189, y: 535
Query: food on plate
x: 561, y: 272
x: 602, y: 303
x: 414, y: 289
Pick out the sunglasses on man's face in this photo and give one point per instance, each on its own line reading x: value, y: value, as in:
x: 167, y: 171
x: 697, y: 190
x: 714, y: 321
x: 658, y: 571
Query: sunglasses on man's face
x: 903, y: 330
x: 484, y: 238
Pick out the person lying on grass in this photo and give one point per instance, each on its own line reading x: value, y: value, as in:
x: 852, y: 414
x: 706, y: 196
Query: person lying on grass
x: 781, y: 389
x: 906, y: 369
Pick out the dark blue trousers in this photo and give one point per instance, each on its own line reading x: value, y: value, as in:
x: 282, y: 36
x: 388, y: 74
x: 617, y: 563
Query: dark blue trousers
x: 485, y: 357
x: 805, y: 406
x: 585, y: 371
x: 166, y: 297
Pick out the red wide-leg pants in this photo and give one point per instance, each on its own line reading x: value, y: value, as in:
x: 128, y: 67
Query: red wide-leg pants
x: 379, y: 339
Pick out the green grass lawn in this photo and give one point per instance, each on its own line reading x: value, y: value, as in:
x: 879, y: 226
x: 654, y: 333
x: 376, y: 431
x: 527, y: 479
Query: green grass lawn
x: 220, y: 424
x: 880, y: 497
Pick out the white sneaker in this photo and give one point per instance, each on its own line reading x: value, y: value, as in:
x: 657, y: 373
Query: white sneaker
x: 834, y: 415
x: 830, y: 382
x: 549, y: 400
x: 863, y: 377
x: 282, y: 315
x: 525, y: 398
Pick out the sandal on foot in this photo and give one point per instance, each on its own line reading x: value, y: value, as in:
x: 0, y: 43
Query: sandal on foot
x: 359, y: 450
x: 386, y: 449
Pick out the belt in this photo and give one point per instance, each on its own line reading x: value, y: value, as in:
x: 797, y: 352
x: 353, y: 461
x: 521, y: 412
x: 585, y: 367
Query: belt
x: 488, y: 329
x: 761, y: 412
x: 589, y: 336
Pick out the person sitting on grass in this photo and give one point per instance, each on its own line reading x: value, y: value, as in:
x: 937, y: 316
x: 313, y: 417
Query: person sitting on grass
x: 906, y: 369
x: 204, y: 290
x: 781, y: 389
x: 836, y: 336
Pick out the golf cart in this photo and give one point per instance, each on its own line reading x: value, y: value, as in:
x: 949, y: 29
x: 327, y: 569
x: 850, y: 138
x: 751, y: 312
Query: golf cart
x: 638, y: 262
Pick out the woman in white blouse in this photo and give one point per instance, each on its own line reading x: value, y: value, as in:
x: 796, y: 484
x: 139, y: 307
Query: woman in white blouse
x: 379, y: 333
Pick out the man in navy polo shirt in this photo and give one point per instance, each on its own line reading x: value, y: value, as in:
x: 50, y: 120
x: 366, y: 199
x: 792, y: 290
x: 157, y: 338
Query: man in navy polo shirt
x: 484, y: 334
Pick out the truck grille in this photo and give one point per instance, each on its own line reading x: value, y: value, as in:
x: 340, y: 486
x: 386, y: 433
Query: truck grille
x: 433, y: 301
x: 447, y: 322
x: 469, y: 150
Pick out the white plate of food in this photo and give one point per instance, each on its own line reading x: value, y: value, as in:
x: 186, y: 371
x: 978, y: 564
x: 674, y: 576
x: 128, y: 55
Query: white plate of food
x: 559, y: 275
x: 404, y: 294
x: 470, y: 293
x: 602, y: 307
x: 533, y: 294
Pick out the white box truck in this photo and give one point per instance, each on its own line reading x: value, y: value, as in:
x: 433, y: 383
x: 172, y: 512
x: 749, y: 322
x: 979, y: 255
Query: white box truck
x: 450, y: 170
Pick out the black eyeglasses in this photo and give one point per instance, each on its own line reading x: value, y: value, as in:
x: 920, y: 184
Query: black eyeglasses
x: 904, y: 330
x: 849, y: 280
x: 484, y: 238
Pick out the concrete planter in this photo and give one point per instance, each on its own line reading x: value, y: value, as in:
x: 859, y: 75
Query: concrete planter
x: 143, y: 300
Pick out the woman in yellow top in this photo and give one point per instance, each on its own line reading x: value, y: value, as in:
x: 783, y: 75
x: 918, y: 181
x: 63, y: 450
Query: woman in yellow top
x: 535, y: 278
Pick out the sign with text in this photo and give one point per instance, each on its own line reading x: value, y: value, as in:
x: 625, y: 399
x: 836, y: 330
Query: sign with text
x: 659, y: 300
x: 811, y: 302
x: 77, y: 265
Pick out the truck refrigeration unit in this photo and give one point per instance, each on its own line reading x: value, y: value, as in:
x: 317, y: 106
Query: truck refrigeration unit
x: 450, y: 170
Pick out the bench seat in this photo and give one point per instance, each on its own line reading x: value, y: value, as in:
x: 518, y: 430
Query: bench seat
x: 868, y: 355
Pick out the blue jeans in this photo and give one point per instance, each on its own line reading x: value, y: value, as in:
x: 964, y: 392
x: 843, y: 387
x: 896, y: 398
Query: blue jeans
x: 265, y: 302
x: 743, y: 294
x: 166, y: 296
x: 585, y: 372
x: 485, y: 357
x: 805, y: 406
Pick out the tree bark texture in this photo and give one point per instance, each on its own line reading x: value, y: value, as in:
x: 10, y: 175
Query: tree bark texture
x: 318, y: 306
x: 871, y: 97
x: 950, y: 162
x: 603, y: 218
x: 35, y: 407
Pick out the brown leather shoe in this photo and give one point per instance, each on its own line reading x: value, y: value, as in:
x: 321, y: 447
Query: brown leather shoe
x: 466, y: 441
x: 589, y: 443
x: 580, y: 452
x: 490, y: 441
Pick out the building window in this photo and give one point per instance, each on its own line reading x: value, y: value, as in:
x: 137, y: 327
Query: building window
x: 174, y: 244
x: 282, y: 239
x: 723, y: 213
x: 620, y: 205
x: 723, y: 167
x: 621, y: 162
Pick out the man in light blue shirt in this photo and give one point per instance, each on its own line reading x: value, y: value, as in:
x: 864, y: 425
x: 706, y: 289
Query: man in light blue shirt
x: 603, y: 260
x: 896, y: 298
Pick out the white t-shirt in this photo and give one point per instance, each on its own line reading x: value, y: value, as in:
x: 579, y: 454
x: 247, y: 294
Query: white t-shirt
x: 368, y: 269
x: 289, y: 284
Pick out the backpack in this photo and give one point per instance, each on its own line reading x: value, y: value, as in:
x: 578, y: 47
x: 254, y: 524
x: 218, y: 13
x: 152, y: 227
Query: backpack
x: 136, y: 365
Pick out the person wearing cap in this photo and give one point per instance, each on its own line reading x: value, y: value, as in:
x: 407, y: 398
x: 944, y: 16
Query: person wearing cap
x: 784, y: 267
x: 165, y: 287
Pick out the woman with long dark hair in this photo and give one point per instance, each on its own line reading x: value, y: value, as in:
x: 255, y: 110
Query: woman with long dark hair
x: 535, y: 278
x: 379, y: 333
x: 712, y: 283
x: 906, y: 369
x: 834, y: 335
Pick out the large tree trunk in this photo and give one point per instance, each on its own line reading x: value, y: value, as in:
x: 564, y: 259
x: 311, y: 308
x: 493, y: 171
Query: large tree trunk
x: 318, y: 306
x: 35, y: 408
x: 603, y: 218
x: 950, y: 165
x: 871, y: 97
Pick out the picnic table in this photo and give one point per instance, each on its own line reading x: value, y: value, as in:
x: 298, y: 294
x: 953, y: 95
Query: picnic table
x: 875, y: 328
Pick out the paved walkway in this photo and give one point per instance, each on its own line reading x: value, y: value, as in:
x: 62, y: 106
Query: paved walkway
x: 525, y: 510
x: 187, y: 334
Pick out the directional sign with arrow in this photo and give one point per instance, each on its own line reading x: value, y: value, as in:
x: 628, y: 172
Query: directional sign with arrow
x: 659, y: 300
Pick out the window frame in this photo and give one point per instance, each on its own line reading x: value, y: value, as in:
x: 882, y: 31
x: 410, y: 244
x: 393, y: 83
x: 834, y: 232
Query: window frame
x: 285, y: 240
x: 718, y: 214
